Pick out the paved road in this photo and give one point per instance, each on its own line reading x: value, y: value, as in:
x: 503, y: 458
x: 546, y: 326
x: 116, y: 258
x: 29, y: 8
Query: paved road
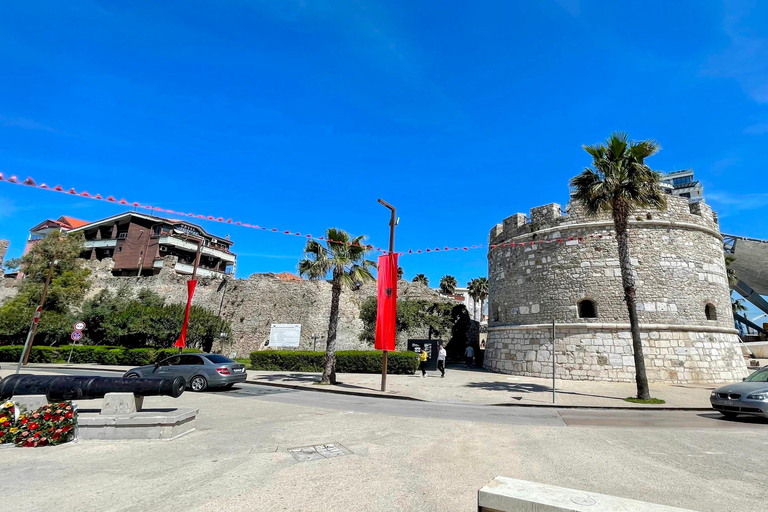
x: 510, y: 415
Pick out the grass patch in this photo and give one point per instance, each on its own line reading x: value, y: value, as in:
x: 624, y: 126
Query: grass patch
x: 245, y: 361
x: 652, y: 401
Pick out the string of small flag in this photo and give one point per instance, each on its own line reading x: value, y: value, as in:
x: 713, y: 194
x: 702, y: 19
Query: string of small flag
x: 111, y: 199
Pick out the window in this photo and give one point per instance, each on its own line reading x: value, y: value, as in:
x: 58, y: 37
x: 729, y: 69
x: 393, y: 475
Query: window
x: 710, y: 312
x: 217, y: 359
x: 587, y: 309
x: 758, y: 376
x: 124, y: 234
x: 191, y: 360
x: 157, y: 230
x: 172, y: 361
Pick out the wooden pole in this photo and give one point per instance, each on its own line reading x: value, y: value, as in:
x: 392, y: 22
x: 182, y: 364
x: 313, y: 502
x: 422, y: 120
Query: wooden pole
x: 392, y: 223
x: 194, y: 268
x: 33, y: 328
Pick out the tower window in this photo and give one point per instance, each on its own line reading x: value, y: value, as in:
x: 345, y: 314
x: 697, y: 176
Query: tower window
x: 587, y: 309
x: 710, y: 312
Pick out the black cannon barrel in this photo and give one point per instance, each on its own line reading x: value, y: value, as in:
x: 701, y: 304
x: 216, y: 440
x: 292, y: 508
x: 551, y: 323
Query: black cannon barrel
x: 60, y: 387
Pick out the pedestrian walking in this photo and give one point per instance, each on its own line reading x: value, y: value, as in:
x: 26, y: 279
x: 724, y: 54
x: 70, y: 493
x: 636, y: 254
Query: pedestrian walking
x: 441, y: 360
x: 469, y: 355
x: 423, y: 362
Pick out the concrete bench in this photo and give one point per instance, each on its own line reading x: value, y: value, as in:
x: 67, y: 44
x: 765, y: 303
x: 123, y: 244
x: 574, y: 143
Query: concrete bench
x: 504, y: 494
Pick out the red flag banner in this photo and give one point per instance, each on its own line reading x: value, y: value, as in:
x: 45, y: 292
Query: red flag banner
x: 387, y: 303
x: 182, y: 341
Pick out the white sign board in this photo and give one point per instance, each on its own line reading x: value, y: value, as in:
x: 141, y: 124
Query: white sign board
x: 285, y: 335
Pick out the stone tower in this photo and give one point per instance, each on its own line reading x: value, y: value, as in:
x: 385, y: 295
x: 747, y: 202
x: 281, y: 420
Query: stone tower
x: 565, y: 267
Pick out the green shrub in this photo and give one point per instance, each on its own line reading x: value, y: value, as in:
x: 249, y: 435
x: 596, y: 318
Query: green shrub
x: 94, y: 354
x: 350, y: 361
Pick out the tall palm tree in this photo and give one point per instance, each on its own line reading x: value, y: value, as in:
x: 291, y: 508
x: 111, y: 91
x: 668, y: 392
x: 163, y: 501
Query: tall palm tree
x: 345, y: 260
x: 472, y: 292
x: 482, y: 292
x: 738, y: 307
x: 620, y: 182
x: 448, y: 285
x: 421, y: 278
x: 733, y: 276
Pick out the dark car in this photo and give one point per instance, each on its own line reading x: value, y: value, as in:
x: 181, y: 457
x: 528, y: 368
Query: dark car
x: 201, y: 371
x: 748, y: 397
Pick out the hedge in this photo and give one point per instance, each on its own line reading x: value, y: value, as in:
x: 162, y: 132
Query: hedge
x: 93, y: 354
x: 349, y: 361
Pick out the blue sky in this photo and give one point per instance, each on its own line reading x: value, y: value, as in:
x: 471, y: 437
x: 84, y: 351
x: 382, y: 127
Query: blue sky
x: 300, y: 114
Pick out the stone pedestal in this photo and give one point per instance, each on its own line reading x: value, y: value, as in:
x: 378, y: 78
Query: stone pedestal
x: 30, y: 402
x: 121, y: 403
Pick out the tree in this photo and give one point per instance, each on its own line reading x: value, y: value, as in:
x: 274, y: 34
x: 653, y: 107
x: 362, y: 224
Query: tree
x: 421, y: 278
x: 344, y: 260
x: 478, y: 290
x: 448, y: 285
x: 738, y: 307
x: 620, y: 182
x: 400, y: 273
x: 411, y: 315
x: 472, y: 291
x: 68, y: 285
x: 12, y: 265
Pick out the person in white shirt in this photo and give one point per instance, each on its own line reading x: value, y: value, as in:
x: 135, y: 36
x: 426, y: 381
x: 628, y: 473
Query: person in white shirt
x: 469, y: 355
x: 441, y: 359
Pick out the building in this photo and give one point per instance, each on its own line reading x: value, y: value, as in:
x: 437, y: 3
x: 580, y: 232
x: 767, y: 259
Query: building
x: 63, y: 224
x: 564, y: 267
x: 682, y: 184
x: 138, y: 243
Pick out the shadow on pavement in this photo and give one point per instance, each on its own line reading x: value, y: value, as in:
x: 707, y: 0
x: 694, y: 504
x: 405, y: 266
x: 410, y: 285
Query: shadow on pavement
x: 522, y: 387
x: 750, y: 420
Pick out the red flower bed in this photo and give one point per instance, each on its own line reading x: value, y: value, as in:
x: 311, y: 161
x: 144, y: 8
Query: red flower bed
x: 49, y: 425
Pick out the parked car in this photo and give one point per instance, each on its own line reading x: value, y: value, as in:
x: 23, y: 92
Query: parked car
x: 201, y: 371
x: 748, y: 397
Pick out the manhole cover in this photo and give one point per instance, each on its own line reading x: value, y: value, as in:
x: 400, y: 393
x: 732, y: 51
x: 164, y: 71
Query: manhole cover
x: 320, y: 451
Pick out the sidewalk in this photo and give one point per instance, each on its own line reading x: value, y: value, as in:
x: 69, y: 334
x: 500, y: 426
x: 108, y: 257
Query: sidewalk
x: 483, y: 387
x: 473, y: 386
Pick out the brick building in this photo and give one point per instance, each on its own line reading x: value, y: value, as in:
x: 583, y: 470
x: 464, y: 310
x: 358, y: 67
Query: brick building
x: 138, y: 243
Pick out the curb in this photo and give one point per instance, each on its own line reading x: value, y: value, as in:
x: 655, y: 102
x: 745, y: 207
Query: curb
x: 323, y: 389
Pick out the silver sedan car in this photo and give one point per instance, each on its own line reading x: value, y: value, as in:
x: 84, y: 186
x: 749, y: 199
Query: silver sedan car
x: 201, y: 371
x: 748, y: 397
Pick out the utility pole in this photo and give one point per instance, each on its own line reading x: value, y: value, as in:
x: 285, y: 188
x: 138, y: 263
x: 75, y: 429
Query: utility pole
x: 392, y: 223
x: 194, y: 268
x: 24, y: 359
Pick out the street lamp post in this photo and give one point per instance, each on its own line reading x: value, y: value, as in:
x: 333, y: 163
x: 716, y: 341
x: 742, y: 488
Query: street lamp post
x: 392, y: 223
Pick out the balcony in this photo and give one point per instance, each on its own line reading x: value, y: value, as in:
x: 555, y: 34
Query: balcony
x: 98, y: 244
x: 186, y: 269
x: 192, y: 247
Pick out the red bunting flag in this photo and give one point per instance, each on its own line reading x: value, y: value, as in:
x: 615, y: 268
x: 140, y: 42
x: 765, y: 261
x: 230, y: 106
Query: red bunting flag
x: 387, y: 303
x: 182, y: 341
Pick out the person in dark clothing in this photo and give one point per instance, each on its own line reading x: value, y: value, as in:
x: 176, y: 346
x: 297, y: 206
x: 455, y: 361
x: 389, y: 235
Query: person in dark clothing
x: 469, y: 355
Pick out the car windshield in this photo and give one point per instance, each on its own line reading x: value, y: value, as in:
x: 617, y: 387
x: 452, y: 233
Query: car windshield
x: 758, y: 376
x: 217, y: 359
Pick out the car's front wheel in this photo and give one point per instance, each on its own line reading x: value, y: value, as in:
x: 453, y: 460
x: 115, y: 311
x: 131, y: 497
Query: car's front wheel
x: 198, y: 383
x: 729, y: 415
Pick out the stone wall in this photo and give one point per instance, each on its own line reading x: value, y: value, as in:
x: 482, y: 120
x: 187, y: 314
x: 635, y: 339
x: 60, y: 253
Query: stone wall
x: 3, y: 249
x: 559, y: 260
x: 252, y: 305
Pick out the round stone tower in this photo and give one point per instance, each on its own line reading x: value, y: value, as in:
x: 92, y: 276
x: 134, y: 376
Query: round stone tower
x: 564, y: 267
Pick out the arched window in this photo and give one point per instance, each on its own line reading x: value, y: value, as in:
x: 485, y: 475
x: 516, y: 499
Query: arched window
x: 710, y: 312
x: 587, y: 309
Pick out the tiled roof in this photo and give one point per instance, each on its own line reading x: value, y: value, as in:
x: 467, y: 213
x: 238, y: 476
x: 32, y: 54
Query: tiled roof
x: 287, y: 276
x: 73, y: 222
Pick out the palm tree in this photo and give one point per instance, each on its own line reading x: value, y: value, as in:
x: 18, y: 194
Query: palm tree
x: 448, y: 285
x: 620, y: 182
x: 421, y: 278
x: 345, y: 260
x: 738, y: 307
x: 472, y: 291
x: 482, y: 292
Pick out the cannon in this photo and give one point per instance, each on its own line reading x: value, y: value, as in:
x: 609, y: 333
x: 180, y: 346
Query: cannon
x: 60, y: 387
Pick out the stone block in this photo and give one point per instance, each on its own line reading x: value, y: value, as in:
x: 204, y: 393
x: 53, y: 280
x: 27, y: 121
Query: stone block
x: 159, y: 425
x: 504, y: 494
x: 121, y: 403
x: 30, y: 402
